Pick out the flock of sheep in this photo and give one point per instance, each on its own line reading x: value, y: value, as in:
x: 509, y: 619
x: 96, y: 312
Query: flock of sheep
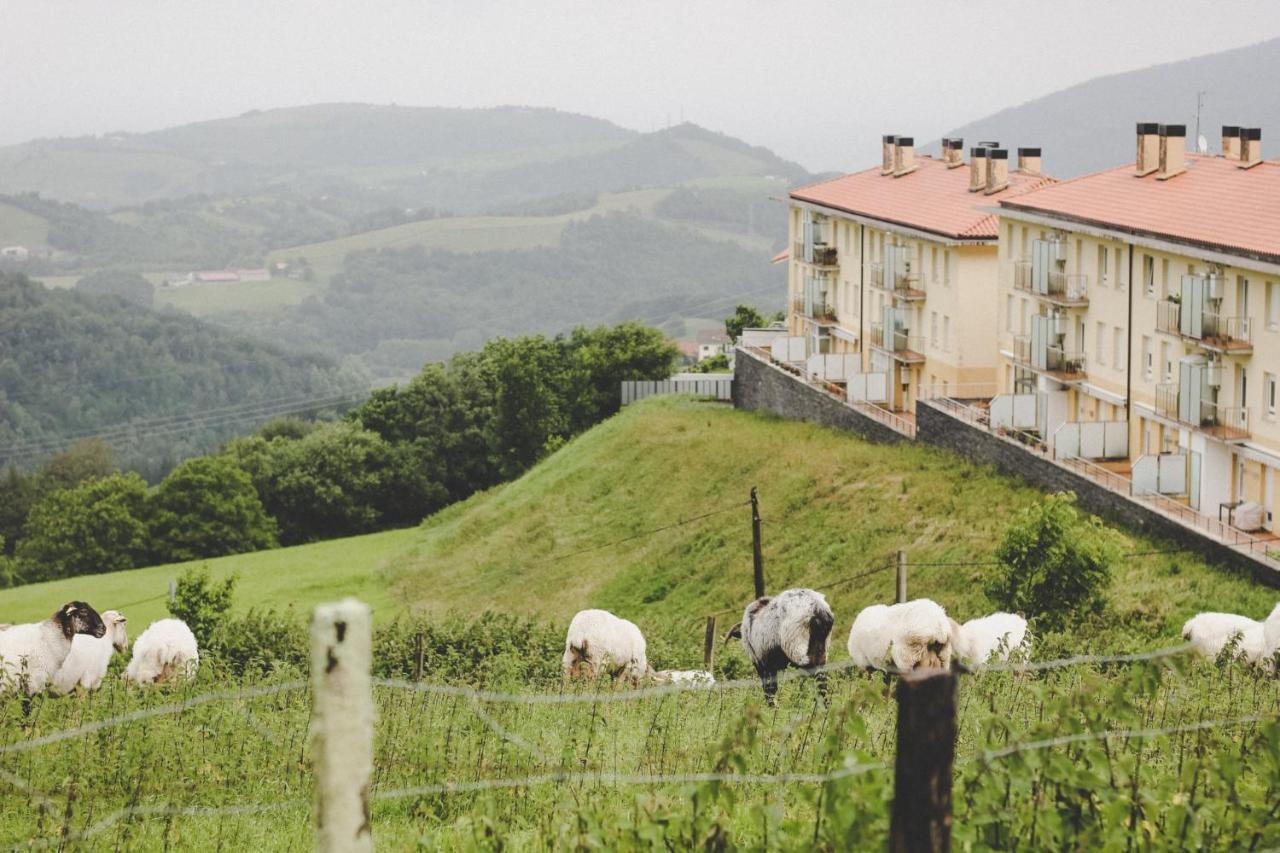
x: 793, y: 628
x: 73, y: 647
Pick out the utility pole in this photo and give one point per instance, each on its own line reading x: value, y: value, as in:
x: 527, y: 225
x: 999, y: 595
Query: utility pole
x: 757, y: 557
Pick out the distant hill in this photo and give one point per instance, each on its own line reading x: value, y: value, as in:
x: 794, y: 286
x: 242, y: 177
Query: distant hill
x: 72, y: 364
x: 1090, y: 126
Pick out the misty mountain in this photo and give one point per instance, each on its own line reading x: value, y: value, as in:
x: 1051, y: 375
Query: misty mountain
x: 1090, y: 126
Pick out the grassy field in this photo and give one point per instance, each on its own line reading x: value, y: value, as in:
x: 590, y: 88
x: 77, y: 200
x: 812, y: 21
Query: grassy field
x: 1039, y: 761
x: 251, y: 296
x: 19, y: 228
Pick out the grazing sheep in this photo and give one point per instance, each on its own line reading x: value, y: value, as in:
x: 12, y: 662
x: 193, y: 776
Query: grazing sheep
x: 901, y: 637
x: 1271, y: 636
x: 90, y: 656
x: 998, y: 635
x: 166, y: 650
x: 600, y: 643
x: 31, y: 654
x: 1210, y: 633
x: 683, y: 676
x: 788, y: 629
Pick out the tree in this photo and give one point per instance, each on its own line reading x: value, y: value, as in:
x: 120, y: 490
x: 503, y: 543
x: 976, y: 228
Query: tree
x: 208, y: 507
x: 97, y: 526
x: 602, y: 358
x: 528, y: 377
x: 88, y: 459
x: 744, y: 317
x: 1055, y: 563
x: 126, y: 285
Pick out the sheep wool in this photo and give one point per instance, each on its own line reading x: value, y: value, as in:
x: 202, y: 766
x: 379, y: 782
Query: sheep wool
x: 1271, y: 635
x: 1210, y: 633
x: 901, y: 637
x: 599, y: 643
x: 997, y: 635
x: 683, y: 676
x: 165, y: 651
x: 87, y: 663
x: 30, y: 655
x: 791, y: 628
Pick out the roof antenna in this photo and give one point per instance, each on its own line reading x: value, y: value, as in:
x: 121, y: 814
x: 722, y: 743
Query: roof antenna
x: 1202, y: 144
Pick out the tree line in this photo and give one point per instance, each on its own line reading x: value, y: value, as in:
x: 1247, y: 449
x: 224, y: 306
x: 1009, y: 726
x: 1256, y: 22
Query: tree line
x: 406, y: 451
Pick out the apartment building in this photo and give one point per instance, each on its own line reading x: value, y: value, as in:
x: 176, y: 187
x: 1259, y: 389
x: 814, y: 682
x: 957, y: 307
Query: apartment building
x: 1139, y: 320
x: 895, y: 268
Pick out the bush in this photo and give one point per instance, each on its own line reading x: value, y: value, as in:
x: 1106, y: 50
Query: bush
x: 201, y: 603
x: 493, y: 648
x: 1055, y: 563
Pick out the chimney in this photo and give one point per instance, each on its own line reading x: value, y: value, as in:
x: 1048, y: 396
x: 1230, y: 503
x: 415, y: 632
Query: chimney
x: 1148, y: 159
x: 1029, y: 161
x: 1250, y: 147
x: 887, y: 145
x: 1173, y: 151
x: 1231, y: 142
x: 977, y: 169
x: 904, y: 160
x: 953, y: 152
x: 997, y: 169
x: 989, y: 144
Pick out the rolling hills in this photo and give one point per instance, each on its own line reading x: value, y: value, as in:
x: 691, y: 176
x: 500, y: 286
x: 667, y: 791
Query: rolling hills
x: 578, y: 530
x: 1089, y: 126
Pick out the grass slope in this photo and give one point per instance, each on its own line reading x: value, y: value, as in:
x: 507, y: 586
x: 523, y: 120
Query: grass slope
x: 833, y: 506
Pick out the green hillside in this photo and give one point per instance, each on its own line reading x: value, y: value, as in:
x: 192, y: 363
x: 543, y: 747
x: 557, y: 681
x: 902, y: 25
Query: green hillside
x: 833, y: 507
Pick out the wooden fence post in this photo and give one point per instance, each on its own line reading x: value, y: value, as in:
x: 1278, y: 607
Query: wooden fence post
x: 921, y: 819
x: 173, y: 591
x: 709, y: 644
x: 417, y: 656
x: 902, y: 576
x: 756, y: 556
x: 342, y: 725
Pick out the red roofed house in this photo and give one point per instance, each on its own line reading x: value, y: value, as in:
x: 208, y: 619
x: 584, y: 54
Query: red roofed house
x: 898, y: 264
x: 1140, y: 320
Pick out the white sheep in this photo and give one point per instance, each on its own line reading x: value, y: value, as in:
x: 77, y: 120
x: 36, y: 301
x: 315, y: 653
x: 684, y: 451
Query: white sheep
x: 1271, y: 637
x: 87, y: 663
x: 998, y: 635
x: 901, y: 637
x: 683, y: 676
x: 1210, y: 633
x: 791, y: 628
x: 600, y: 643
x: 166, y: 650
x: 30, y: 655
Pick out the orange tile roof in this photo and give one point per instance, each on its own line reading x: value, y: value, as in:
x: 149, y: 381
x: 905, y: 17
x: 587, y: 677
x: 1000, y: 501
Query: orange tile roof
x: 933, y: 198
x: 780, y: 257
x: 1213, y: 204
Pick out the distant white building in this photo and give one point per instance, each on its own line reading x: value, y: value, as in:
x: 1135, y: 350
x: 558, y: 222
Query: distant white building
x: 712, y: 343
x: 16, y: 253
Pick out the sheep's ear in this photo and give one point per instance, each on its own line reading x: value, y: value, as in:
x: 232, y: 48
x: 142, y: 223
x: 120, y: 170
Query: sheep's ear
x: 66, y: 619
x: 735, y: 633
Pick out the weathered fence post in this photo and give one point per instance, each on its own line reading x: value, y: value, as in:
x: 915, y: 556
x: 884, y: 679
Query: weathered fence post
x: 921, y: 818
x: 756, y: 556
x: 173, y: 591
x: 709, y: 644
x: 417, y: 656
x: 342, y: 725
x: 902, y: 576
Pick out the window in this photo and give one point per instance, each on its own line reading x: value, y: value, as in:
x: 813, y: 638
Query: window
x: 1164, y: 277
x: 1118, y: 356
x: 946, y: 333
x: 1149, y: 275
x: 1102, y: 266
x: 1269, y: 393
x: 1100, y: 346
x: 1008, y: 311
x: 933, y: 264
x: 933, y: 328
x: 1121, y: 277
x: 1273, y: 305
x: 946, y: 267
x: 1167, y: 362
x: 1148, y: 367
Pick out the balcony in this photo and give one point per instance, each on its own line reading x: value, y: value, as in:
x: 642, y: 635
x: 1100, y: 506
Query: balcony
x: 1167, y: 400
x: 822, y: 255
x: 908, y: 286
x: 1059, y: 363
x: 821, y: 309
x: 902, y: 345
x: 875, y: 275
x: 1229, y: 423
x: 1217, y: 332
x: 1068, y: 291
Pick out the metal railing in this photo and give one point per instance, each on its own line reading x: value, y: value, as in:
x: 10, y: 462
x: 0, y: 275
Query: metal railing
x: 1169, y: 317
x: 1068, y: 288
x: 908, y: 286
x: 1224, y: 421
x: 1061, y: 360
x: 1167, y: 400
x: 875, y: 274
x: 897, y: 340
x: 1022, y: 349
x: 822, y: 308
x: 822, y: 254
x: 1022, y: 276
x: 1230, y: 331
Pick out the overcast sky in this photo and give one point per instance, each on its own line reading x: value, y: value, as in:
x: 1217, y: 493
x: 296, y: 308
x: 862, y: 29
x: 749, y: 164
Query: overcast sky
x: 815, y: 81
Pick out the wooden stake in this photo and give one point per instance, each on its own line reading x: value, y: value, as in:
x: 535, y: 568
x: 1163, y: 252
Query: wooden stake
x: 921, y: 819
x: 342, y: 726
x: 902, y: 576
x: 756, y: 555
x: 709, y: 645
x: 417, y: 656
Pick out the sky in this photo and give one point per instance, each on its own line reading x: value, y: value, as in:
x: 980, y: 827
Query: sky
x: 817, y: 82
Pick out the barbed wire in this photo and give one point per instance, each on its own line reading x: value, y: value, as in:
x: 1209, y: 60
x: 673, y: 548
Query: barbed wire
x: 1084, y: 737
x: 1075, y: 660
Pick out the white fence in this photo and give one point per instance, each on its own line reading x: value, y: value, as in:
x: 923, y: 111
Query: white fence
x: 1092, y: 440
x: 833, y: 367
x: 868, y: 388
x: 718, y: 386
x: 1160, y: 474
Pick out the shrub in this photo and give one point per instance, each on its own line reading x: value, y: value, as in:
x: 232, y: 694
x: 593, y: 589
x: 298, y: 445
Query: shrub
x: 1055, y: 563
x: 201, y: 603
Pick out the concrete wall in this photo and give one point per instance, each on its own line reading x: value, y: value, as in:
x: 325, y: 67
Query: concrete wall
x: 759, y: 386
x: 933, y: 426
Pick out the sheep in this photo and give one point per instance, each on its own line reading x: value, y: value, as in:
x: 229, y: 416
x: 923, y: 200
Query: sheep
x: 791, y: 628
x: 901, y: 637
x: 599, y: 642
x: 166, y: 650
x: 31, y: 654
x: 683, y: 676
x: 1210, y: 633
x: 1271, y: 637
x: 89, y: 658
x: 998, y: 635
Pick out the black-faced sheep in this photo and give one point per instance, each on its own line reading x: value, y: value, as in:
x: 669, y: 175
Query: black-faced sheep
x: 31, y: 654
x: 90, y: 656
x: 788, y: 629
